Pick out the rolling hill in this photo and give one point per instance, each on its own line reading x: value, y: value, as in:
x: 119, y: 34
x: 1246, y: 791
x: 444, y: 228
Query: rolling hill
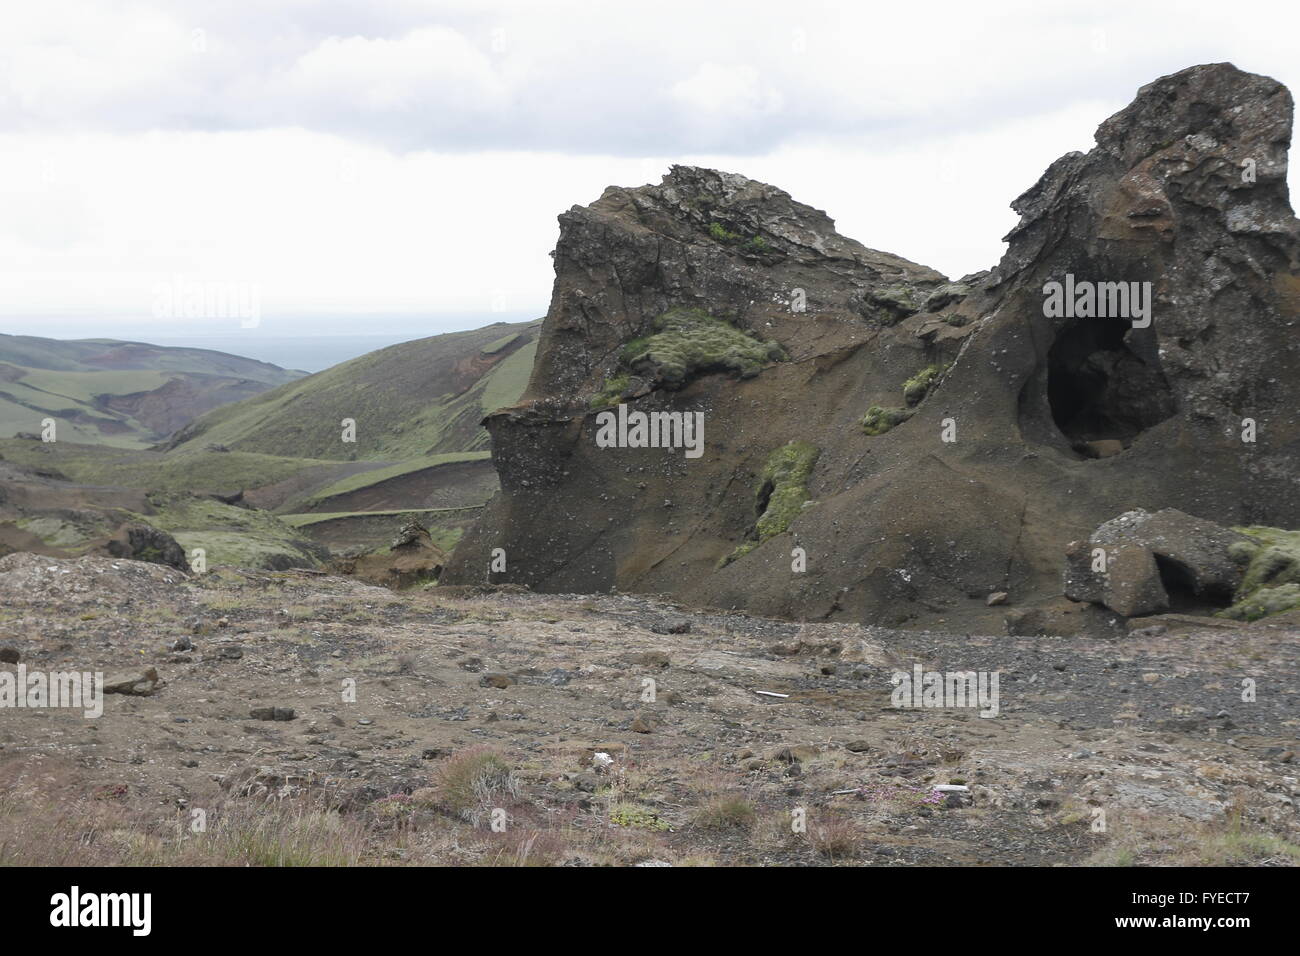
x: 424, y: 397
x: 420, y: 454
x: 124, y: 394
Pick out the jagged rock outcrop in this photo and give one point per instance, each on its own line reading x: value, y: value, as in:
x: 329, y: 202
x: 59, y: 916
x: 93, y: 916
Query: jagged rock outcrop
x: 1023, y: 428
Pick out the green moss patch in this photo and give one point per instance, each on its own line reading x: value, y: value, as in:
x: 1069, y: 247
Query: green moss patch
x: 241, y: 537
x: 1264, y: 602
x: 754, y: 245
x: 919, y: 385
x: 1271, y: 583
x: 636, y: 817
x: 879, y: 420
x: 687, y: 341
x: 614, y: 388
x: 782, y: 494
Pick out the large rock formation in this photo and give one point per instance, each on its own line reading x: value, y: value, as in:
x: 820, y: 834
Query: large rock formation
x: 1054, y: 424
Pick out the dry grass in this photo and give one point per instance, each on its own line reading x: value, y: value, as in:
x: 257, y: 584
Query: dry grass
x: 725, y: 813
x: 1144, y: 840
x: 474, y: 782
x: 835, y: 836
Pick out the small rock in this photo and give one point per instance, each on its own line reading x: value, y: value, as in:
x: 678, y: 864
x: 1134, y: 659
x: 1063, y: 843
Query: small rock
x: 857, y: 746
x: 643, y: 724
x: 499, y: 681
x: 651, y: 659
x: 1154, y: 630
x: 272, y: 713
x: 9, y: 655
x: 997, y: 597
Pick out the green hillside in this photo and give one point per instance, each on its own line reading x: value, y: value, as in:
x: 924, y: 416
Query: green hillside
x: 421, y: 452
x: 419, y: 398
x: 122, y: 394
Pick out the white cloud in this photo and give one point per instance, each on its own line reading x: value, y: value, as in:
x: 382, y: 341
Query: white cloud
x: 428, y: 68
x: 373, y: 155
x: 714, y: 89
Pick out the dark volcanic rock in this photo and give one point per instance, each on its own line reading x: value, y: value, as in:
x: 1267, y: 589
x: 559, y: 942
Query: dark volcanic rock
x: 1133, y: 562
x: 1034, y: 431
x: 140, y: 542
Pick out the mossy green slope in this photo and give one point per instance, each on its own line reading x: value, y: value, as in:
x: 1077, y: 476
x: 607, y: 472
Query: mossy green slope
x: 408, y: 400
x: 99, y: 391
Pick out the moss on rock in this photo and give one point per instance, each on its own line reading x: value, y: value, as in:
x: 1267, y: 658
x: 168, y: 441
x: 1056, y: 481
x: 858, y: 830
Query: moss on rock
x: 782, y: 494
x: 1271, y: 583
x: 879, y: 420
x: 686, y: 341
x: 1264, y: 602
x: 919, y: 385
x: 614, y: 388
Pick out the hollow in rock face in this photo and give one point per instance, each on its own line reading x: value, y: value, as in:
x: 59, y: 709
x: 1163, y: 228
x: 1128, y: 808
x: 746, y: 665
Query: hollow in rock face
x: 1101, y: 387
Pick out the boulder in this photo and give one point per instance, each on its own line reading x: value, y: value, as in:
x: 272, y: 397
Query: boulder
x: 142, y: 542
x: 1132, y: 562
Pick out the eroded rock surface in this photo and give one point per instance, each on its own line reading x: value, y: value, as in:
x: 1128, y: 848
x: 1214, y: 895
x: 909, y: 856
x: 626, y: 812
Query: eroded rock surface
x: 1057, y: 424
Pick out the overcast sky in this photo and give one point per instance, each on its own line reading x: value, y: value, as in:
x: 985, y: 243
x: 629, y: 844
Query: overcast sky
x: 410, y: 156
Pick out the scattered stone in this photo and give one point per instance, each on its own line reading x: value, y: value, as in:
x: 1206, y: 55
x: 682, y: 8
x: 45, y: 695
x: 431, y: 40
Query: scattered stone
x: 142, y: 686
x: 1154, y: 630
x: 9, y: 655
x: 497, y: 680
x: 643, y: 724
x: 272, y: 713
x: 658, y: 659
x: 997, y: 597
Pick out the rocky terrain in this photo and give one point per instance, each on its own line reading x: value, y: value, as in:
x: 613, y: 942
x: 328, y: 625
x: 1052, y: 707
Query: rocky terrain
x: 953, y: 438
x: 747, y: 649
x: 468, y: 701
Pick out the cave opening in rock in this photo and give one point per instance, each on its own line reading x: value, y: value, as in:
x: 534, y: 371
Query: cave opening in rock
x: 1180, y: 586
x: 1104, y: 384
